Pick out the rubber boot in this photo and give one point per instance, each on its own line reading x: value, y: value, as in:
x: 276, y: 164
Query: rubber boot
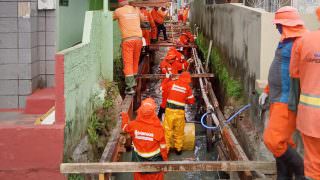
x: 160, y: 113
x: 292, y: 159
x: 283, y: 171
x: 130, y: 81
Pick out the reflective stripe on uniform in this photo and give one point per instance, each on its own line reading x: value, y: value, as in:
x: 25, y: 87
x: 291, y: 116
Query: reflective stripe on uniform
x: 175, y: 102
x: 147, y: 154
x: 189, y: 97
x: 310, y: 100
x: 178, y: 88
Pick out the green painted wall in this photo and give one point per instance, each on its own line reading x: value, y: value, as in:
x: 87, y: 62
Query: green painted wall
x: 85, y: 65
x: 70, y: 23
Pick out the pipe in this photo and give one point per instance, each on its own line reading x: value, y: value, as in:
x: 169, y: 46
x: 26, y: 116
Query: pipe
x: 227, y: 121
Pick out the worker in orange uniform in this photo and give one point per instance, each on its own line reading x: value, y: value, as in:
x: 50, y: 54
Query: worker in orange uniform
x: 178, y: 93
x: 185, y: 15
x: 305, y: 71
x: 185, y: 39
x: 154, y: 31
x: 166, y: 65
x: 281, y: 125
x: 180, y: 64
x: 147, y: 136
x: 129, y: 22
x: 146, y: 23
x: 158, y: 17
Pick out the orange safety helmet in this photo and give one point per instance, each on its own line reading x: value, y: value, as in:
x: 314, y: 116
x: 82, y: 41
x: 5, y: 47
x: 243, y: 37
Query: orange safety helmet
x: 318, y: 13
x: 148, y: 107
x: 185, y: 77
x: 288, y: 16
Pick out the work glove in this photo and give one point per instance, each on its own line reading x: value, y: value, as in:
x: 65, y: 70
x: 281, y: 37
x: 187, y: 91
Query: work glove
x: 168, y: 75
x: 262, y: 98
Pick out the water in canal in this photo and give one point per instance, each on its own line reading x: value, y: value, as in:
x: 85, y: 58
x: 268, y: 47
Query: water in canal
x: 199, y: 153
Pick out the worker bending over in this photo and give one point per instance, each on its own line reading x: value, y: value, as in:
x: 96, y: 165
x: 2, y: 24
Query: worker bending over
x: 180, y: 64
x: 158, y: 17
x: 186, y: 38
x: 282, y: 122
x: 166, y: 65
x: 178, y: 93
x: 146, y: 25
x: 129, y: 22
x: 147, y: 136
x: 305, y: 67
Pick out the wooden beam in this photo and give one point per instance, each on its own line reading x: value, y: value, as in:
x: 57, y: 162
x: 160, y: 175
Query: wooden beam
x: 166, y: 166
x: 110, y: 152
x: 162, y: 76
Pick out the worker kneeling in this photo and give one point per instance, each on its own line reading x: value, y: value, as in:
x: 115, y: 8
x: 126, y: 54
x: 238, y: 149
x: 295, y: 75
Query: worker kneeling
x: 178, y: 94
x: 148, y: 138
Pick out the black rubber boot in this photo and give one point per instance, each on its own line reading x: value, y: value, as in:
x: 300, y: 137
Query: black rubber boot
x: 293, y: 160
x: 160, y: 113
x: 283, y: 171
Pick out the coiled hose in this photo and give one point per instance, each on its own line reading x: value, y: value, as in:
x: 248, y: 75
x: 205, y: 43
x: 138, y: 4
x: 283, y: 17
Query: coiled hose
x: 228, y: 120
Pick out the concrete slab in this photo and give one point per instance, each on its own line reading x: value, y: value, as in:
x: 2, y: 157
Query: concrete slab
x: 17, y: 117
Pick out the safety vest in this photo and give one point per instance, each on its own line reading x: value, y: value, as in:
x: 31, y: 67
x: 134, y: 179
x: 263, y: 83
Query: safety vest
x: 179, y: 94
x: 306, y: 66
x: 148, y: 140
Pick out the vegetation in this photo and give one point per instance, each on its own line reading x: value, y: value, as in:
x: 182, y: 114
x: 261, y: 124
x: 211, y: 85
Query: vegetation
x: 103, y: 119
x: 232, y: 86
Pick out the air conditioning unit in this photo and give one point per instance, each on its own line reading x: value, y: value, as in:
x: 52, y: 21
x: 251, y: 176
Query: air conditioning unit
x: 46, y: 4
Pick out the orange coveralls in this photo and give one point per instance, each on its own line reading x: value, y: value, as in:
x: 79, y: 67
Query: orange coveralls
x: 148, y: 138
x: 166, y: 65
x: 180, y: 64
x: 129, y: 22
x: 178, y: 93
x: 146, y: 25
x: 185, y: 15
x: 305, y: 66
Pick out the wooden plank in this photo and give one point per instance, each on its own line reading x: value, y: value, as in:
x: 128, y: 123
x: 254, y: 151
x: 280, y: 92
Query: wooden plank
x: 162, y: 76
x: 109, y: 151
x: 158, y: 3
x: 166, y: 166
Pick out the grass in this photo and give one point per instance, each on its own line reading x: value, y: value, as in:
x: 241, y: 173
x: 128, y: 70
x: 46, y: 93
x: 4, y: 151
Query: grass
x: 232, y: 86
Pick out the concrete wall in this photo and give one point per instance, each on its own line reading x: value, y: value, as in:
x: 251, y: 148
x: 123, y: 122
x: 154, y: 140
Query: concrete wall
x: 27, y: 47
x: 246, y: 36
x: 79, y: 70
x: 70, y: 23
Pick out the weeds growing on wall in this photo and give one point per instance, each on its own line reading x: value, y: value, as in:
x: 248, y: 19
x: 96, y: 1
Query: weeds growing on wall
x: 118, y: 75
x: 233, y: 87
x: 103, y: 119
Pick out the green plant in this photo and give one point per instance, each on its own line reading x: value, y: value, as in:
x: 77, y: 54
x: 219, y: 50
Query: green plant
x: 233, y: 87
x: 75, y: 177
